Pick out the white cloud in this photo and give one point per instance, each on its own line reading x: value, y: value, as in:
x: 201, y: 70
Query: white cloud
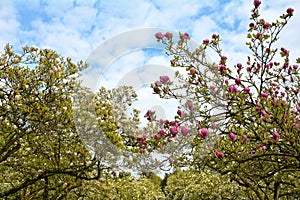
x: 9, y: 24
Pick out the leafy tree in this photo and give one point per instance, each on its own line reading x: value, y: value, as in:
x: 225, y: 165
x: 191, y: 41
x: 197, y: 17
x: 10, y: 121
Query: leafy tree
x: 241, y: 121
x: 41, y: 155
x: 193, y: 184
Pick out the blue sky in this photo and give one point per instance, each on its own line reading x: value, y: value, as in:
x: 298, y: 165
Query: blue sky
x: 75, y: 28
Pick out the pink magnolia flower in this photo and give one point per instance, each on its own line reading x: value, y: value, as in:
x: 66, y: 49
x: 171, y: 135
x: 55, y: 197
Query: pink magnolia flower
x: 284, y: 50
x: 213, y: 124
x: 203, y: 133
x: 263, y: 113
x: 169, y: 139
x: 186, y: 36
x: 246, y: 90
x: 168, y: 35
x: 172, y: 62
x: 180, y: 113
x: 222, y: 68
x: 164, y: 79
x: 290, y: 11
x: 264, y: 95
x: 256, y: 3
x: 238, y: 81
x: 219, y: 154
x: 142, y: 151
x: 143, y: 143
x: 276, y: 136
x: 156, y: 136
x: 253, y: 152
x: 233, y: 89
x: 239, y: 153
x: 159, y: 35
x: 206, y: 41
x: 232, y: 136
x: 170, y: 160
x: 263, y: 147
x: 193, y: 71
x: 266, y: 25
x: 162, y: 132
x: 245, y: 138
x: 174, y: 130
x: 212, y: 89
x: 190, y: 105
x: 214, y: 36
x: 239, y: 65
x: 184, y: 130
x: 148, y: 115
x: 140, y: 137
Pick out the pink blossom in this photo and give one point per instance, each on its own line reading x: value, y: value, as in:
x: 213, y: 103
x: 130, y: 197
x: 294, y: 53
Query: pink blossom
x: 232, y: 136
x: 193, y: 71
x: 164, y: 79
x: 140, y: 137
x: 190, y: 105
x: 203, y: 133
x: 156, y: 136
x: 239, y: 153
x: 263, y: 113
x: 143, y: 143
x: 213, y: 124
x: 174, y: 130
x: 184, y: 130
x: 245, y: 138
x: 259, y: 34
x: 276, y: 136
x: 162, y: 132
x: 246, y: 90
x: 185, y: 36
x: 168, y: 35
x: 264, y: 95
x: 266, y: 25
x: 290, y: 11
x: 214, y: 36
x: 239, y: 65
x: 180, y: 113
x: 169, y: 139
x: 142, y: 151
x: 219, y: 154
x: 263, y: 147
x: 159, y: 35
x: 276, y: 100
x: 170, y: 160
x: 223, y: 58
x: 284, y: 50
x: 238, y: 81
x: 212, y: 89
x: 253, y: 152
x: 256, y: 3
x: 172, y: 62
x: 206, y: 41
x: 222, y: 68
x: 148, y: 115
x: 233, y: 89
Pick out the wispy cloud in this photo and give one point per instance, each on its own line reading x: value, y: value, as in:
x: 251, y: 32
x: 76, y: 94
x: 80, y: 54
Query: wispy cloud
x: 77, y: 28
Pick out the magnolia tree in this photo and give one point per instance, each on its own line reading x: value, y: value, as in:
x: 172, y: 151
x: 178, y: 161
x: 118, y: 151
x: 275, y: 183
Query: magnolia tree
x: 195, y: 184
x: 41, y: 154
x: 241, y: 120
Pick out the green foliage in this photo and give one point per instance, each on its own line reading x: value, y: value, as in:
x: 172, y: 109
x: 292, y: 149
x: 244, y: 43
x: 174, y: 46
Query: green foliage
x: 41, y: 156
